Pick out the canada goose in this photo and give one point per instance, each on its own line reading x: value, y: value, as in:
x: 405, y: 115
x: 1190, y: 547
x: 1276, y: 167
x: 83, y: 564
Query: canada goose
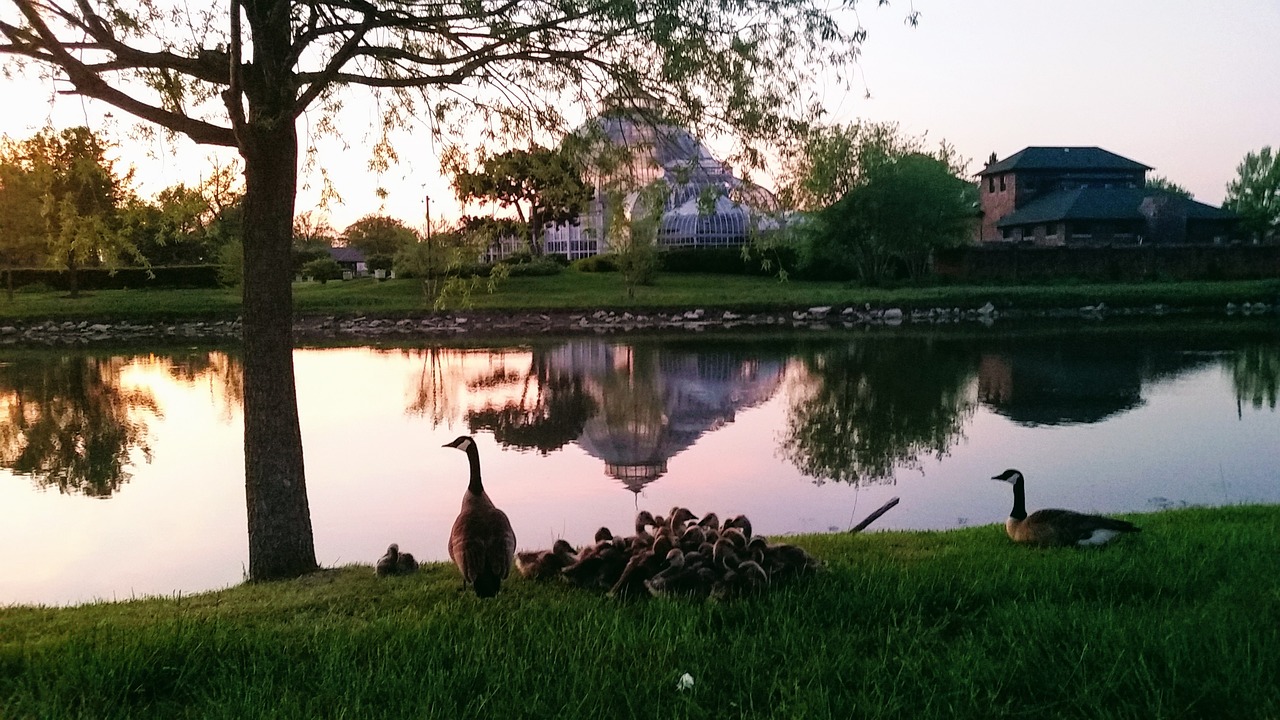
x: 1054, y: 527
x: 482, y: 543
x: 710, y: 522
x: 741, y: 522
x: 406, y: 563
x: 388, y: 564
x: 543, y: 564
x: 680, y: 516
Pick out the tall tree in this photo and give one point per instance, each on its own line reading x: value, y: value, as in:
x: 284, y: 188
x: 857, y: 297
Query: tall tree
x: 504, y: 66
x: 1159, y: 182
x: 1255, y: 194
x: 81, y: 196
x: 378, y: 235
x: 547, y: 181
x: 21, y: 243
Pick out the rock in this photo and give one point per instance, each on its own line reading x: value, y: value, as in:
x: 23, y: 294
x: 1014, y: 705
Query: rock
x: 820, y: 311
x: 892, y: 315
x: 986, y: 309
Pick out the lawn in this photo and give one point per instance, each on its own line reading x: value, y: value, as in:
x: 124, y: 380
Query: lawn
x: 573, y: 290
x: 1181, y: 620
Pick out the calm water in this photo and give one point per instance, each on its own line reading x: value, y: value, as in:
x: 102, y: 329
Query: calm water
x: 121, y: 474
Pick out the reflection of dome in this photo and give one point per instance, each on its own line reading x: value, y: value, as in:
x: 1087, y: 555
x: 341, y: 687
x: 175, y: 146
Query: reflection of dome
x: 653, y: 403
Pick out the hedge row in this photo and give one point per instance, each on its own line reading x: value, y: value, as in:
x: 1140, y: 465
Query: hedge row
x: 183, y: 276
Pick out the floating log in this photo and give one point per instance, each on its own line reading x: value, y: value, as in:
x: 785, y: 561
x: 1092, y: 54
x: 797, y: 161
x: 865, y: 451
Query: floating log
x: 874, y: 516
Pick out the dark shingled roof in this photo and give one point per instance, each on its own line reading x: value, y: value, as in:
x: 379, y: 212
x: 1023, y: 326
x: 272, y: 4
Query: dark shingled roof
x: 1063, y: 158
x: 1092, y: 203
x: 346, y: 254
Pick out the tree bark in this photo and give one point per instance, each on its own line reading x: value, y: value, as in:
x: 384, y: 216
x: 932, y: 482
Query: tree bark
x: 280, y: 536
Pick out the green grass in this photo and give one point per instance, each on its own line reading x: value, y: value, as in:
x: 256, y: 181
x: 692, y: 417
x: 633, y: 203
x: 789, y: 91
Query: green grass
x: 1182, y: 620
x: 579, y: 291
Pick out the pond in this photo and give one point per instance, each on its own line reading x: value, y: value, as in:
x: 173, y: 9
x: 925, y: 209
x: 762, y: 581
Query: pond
x: 121, y: 473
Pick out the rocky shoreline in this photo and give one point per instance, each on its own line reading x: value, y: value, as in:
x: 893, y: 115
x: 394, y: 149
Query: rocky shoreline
x: 515, y: 324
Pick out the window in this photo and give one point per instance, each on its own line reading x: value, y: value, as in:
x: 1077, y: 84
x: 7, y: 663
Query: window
x: 991, y: 183
x: 1001, y: 183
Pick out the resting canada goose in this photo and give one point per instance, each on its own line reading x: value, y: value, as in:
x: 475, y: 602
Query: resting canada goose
x: 388, y: 564
x: 1053, y: 527
x: 482, y: 543
x: 543, y: 564
x: 406, y: 563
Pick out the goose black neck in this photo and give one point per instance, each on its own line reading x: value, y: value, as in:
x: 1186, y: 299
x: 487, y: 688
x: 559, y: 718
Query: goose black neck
x: 473, y: 458
x: 1019, y: 502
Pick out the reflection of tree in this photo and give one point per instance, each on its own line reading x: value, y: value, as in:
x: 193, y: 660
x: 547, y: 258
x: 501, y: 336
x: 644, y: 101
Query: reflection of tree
x: 69, y: 424
x: 1255, y: 370
x: 866, y: 408
x: 548, y: 414
x: 221, y: 371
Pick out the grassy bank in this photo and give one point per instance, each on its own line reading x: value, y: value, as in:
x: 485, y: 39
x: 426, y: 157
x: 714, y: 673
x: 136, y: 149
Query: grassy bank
x: 576, y: 290
x: 1182, y: 620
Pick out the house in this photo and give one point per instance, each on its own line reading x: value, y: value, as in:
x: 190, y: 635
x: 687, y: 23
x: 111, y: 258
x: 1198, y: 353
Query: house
x: 1089, y: 196
x: 351, y: 260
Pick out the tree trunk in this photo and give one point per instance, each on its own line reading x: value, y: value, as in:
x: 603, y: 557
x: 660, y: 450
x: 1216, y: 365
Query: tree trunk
x: 71, y: 278
x: 280, y: 537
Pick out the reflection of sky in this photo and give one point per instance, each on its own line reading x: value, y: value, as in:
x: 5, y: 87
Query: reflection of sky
x: 378, y: 474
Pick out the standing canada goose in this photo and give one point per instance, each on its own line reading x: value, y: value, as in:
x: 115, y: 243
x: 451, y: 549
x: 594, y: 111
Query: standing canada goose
x: 482, y: 543
x: 1053, y: 527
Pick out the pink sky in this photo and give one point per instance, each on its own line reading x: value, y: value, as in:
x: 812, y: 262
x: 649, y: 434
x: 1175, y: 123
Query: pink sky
x: 1185, y: 87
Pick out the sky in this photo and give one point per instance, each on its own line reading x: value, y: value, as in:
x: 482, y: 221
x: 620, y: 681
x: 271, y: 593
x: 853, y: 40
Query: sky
x: 1187, y: 87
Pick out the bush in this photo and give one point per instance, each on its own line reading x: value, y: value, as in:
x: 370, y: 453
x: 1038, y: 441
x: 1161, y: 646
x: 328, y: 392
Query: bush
x: 322, y: 269
x: 173, y: 277
x: 535, y: 268
x: 597, y: 263
x: 380, y: 262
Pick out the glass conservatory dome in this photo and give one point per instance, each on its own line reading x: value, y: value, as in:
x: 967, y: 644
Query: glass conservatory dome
x: 706, y: 204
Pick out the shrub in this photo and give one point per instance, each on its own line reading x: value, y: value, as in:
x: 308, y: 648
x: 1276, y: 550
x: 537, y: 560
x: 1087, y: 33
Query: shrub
x: 597, y: 263
x: 534, y: 268
x: 322, y: 269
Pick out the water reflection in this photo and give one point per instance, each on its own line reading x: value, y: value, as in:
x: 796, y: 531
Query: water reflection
x: 73, y: 423
x: 633, y: 406
x: 69, y: 424
x: 864, y: 409
x: 1255, y: 372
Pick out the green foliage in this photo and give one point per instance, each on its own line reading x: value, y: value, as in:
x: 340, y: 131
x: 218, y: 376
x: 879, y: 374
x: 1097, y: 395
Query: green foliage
x: 548, y: 181
x: 534, y: 268
x: 380, y: 262
x: 78, y: 196
x: 602, y: 263
x: 322, y: 269
x: 378, y: 235
x: 446, y: 265
x: 1158, y: 182
x: 904, y: 208
x: 1255, y: 194
x: 231, y: 263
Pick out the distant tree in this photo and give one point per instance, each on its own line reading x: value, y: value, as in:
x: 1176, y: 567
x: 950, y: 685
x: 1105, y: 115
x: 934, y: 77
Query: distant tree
x: 902, y: 209
x: 81, y: 196
x: 828, y: 161
x: 21, y: 230
x: 547, y: 181
x: 1255, y: 194
x: 1157, y: 182
x: 311, y: 229
x: 633, y: 236
x: 446, y: 264
x: 378, y: 235
x: 171, y: 229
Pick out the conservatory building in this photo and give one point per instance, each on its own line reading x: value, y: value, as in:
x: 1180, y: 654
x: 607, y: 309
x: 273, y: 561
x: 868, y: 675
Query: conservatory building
x: 706, y: 205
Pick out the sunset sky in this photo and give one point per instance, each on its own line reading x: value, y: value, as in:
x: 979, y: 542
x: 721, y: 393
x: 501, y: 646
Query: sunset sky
x: 1185, y: 87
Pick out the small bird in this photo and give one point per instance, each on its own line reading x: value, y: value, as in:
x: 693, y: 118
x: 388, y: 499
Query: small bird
x: 544, y: 564
x: 1054, y: 527
x: 482, y: 543
x: 406, y: 563
x: 389, y: 564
